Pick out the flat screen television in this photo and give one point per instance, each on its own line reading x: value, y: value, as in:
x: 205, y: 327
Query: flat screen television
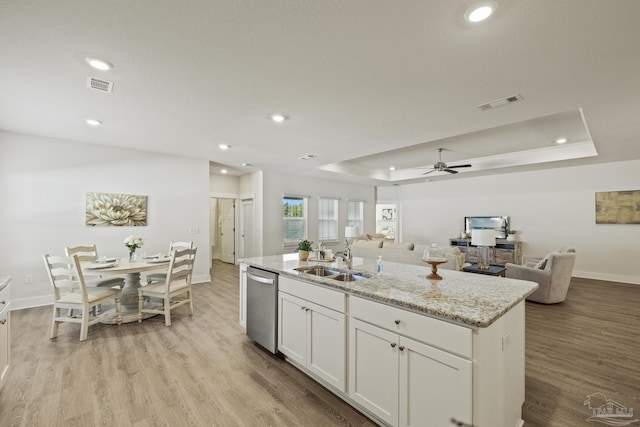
x: 498, y: 223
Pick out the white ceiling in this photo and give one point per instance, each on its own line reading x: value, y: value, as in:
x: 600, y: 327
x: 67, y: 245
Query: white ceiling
x: 366, y: 84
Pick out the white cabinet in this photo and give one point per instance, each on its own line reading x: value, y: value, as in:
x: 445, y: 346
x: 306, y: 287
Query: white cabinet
x: 5, y: 326
x: 313, y: 334
x: 434, y: 386
x: 243, y: 295
x: 373, y: 369
x: 404, y: 381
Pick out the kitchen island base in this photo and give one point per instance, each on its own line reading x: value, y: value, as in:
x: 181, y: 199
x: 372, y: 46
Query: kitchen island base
x: 401, y: 366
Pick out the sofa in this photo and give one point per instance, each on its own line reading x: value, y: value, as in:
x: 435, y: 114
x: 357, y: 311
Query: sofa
x: 407, y: 253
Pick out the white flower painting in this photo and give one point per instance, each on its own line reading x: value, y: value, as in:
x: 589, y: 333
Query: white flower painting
x: 110, y: 209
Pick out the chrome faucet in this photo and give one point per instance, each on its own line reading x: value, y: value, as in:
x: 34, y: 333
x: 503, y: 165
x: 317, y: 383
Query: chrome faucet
x: 347, y: 257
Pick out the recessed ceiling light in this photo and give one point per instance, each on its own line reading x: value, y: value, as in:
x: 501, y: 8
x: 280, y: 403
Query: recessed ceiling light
x: 308, y: 157
x: 480, y: 11
x: 99, y: 64
x: 278, y: 118
x: 561, y: 140
x: 223, y: 171
x: 392, y: 168
x: 224, y: 146
x: 247, y: 164
x: 93, y: 122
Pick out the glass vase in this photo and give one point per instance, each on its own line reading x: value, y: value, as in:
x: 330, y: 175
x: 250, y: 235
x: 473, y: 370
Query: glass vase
x: 132, y: 255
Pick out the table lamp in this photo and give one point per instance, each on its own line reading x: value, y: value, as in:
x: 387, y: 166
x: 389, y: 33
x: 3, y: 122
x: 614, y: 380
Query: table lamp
x: 350, y: 232
x: 484, y: 240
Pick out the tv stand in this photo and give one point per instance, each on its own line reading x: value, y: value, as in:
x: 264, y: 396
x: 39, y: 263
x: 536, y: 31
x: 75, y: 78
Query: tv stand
x: 502, y: 253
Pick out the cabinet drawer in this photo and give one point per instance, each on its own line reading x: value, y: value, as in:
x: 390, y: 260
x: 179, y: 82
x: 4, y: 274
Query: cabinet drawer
x: 334, y: 300
x: 438, y: 333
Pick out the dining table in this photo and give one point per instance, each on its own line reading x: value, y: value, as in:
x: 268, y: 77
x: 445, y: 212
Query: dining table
x: 132, y: 274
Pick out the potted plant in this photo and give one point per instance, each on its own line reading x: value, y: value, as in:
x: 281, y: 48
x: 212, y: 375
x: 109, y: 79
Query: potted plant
x: 511, y: 235
x: 303, y: 250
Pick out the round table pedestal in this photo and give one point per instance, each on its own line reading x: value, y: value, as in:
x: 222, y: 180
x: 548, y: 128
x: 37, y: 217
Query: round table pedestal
x: 129, y: 301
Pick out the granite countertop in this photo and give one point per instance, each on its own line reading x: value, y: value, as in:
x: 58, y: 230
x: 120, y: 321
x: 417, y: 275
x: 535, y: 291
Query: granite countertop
x: 471, y: 299
x: 4, y: 281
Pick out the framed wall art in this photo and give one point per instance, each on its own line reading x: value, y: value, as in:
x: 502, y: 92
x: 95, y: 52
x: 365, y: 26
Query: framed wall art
x: 115, y: 210
x: 618, y: 207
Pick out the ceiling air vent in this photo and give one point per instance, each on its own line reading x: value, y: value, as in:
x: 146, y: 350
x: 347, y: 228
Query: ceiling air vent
x: 500, y: 102
x: 99, y: 84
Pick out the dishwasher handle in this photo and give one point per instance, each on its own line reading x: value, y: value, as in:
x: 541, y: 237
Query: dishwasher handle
x: 261, y: 279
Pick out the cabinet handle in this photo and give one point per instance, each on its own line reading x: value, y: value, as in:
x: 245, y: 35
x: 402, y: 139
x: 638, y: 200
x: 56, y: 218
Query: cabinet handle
x: 397, y: 321
x: 393, y: 345
x: 3, y: 321
x: 401, y: 348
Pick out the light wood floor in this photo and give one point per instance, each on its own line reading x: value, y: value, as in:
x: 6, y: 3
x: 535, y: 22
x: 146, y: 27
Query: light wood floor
x: 203, y: 370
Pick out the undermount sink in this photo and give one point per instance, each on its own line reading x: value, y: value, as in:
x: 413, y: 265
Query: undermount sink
x: 329, y: 273
x: 348, y: 277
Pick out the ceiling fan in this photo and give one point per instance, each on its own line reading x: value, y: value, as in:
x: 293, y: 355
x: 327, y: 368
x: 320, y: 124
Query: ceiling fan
x: 440, y: 166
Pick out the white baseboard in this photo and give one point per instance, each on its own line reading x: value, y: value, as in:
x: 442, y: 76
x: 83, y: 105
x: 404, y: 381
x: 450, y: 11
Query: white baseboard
x: 635, y: 280
x: 201, y: 279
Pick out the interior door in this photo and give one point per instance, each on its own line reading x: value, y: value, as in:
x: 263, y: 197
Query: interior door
x: 247, y: 230
x: 226, y: 229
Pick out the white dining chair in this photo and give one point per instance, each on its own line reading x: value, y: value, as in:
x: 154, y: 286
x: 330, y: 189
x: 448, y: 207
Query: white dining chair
x: 72, y: 294
x: 161, y: 277
x: 90, y: 253
x: 177, y: 284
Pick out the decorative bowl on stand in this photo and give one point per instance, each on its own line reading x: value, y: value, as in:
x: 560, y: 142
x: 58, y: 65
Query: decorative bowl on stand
x: 434, y: 256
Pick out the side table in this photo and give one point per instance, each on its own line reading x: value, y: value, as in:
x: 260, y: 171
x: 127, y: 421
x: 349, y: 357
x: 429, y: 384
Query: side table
x: 493, y: 270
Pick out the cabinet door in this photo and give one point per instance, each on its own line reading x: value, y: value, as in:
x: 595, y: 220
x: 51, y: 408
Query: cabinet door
x: 292, y: 327
x: 243, y: 295
x: 326, y: 352
x: 435, y: 386
x: 373, y: 369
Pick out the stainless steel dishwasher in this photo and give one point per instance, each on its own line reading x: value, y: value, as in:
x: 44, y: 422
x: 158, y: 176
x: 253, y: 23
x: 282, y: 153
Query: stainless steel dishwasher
x: 262, y: 307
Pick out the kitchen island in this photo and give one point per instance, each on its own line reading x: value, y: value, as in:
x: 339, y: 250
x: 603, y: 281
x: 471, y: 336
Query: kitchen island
x: 403, y: 349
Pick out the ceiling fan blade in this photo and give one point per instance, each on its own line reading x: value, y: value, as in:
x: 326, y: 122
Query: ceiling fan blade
x: 427, y: 173
x: 459, y: 166
x: 450, y: 170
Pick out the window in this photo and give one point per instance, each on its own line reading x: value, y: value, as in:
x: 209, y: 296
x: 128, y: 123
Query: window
x: 294, y: 213
x: 355, y: 214
x: 328, y: 220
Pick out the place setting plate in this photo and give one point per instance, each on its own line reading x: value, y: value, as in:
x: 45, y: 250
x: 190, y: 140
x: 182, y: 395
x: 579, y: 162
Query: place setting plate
x: 101, y: 264
x: 158, y: 260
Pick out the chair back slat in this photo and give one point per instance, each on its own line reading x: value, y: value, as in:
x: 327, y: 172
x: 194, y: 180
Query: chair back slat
x: 180, y: 266
x: 65, y: 273
x: 84, y: 253
x: 179, y: 245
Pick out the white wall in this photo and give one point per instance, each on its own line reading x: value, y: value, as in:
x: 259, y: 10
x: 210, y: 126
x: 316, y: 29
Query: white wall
x: 224, y: 186
x: 43, y: 183
x: 550, y: 209
x: 276, y: 185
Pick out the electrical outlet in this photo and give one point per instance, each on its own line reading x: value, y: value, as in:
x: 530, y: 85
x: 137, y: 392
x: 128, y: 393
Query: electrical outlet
x: 194, y: 230
x: 28, y: 279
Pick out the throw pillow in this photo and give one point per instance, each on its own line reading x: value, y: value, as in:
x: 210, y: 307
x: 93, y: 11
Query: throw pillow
x: 542, y: 263
x: 393, y: 245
